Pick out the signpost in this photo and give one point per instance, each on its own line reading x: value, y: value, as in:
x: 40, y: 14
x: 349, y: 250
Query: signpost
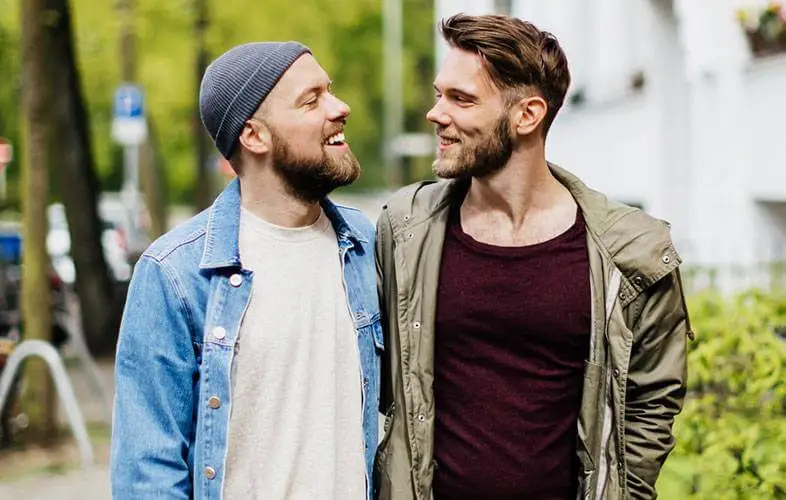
x: 129, y: 129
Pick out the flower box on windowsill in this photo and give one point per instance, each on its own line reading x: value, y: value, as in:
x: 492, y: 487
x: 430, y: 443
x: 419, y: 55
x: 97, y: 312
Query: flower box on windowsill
x: 762, y: 46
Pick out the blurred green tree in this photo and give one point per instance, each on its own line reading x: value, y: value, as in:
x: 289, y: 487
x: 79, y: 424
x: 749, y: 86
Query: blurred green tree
x: 346, y: 38
x: 204, y: 189
x: 10, y: 94
x: 71, y: 153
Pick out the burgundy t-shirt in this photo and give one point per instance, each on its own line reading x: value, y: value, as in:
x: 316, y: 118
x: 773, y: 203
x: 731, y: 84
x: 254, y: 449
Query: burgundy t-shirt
x: 512, y: 334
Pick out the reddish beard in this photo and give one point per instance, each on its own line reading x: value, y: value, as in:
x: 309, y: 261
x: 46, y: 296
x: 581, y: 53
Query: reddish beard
x: 312, y: 178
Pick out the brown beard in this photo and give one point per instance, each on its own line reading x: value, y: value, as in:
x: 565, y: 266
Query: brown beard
x: 482, y: 157
x: 311, y: 179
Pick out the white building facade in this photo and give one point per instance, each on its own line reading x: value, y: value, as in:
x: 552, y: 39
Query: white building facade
x: 669, y: 110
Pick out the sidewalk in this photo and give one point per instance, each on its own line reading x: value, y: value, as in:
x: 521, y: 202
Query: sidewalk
x: 73, y: 485
x: 39, y: 475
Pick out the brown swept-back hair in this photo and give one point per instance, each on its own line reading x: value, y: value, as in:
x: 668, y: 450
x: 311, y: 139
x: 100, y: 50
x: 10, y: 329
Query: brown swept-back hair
x: 516, y: 55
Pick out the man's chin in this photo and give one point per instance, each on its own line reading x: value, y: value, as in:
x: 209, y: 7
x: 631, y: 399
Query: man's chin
x: 447, y: 169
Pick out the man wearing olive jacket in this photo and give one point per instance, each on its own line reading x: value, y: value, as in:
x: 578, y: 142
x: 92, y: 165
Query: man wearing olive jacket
x: 535, y: 330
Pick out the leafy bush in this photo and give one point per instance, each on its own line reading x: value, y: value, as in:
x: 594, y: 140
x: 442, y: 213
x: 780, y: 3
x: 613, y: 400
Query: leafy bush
x: 731, y: 435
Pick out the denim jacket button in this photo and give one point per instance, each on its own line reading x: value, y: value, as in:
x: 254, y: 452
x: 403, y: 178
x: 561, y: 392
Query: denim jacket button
x: 235, y: 280
x: 210, y: 472
x: 214, y: 402
x: 219, y: 332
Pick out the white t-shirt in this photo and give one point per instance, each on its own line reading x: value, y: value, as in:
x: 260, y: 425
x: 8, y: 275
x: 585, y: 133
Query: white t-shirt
x: 295, y: 430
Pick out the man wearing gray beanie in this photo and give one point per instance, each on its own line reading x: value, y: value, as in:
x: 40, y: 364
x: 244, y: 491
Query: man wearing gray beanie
x: 249, y: 353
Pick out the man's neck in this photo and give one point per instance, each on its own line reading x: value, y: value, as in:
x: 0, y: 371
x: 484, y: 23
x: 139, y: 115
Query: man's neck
x: 521, y: 204
x: 265, y: 195
x: 524, y: 185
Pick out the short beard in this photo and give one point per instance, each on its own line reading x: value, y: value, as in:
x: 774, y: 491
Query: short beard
x: 311, y: 179
x: 481, y: 157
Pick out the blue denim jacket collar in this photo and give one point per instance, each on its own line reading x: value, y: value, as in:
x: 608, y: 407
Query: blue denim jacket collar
x: 223, y: 227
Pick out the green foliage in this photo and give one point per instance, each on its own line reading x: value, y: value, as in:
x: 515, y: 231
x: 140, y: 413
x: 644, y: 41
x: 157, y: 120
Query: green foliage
x: 346, y: 38
x: 731, y: 436
x: 10, y: 84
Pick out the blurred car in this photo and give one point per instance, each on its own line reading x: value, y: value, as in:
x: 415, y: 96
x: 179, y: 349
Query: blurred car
x: 114, y: 208
x: 113, y: 242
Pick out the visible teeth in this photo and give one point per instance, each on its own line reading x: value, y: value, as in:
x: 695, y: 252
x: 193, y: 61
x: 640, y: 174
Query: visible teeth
x: 338, y: 138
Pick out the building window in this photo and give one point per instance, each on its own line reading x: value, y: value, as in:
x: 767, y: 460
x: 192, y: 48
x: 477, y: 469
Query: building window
x: 503, y: 6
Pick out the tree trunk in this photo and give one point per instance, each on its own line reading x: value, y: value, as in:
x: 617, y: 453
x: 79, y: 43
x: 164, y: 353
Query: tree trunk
x: 203, y: 195
x: 99, y: 302
x: 38, y: 398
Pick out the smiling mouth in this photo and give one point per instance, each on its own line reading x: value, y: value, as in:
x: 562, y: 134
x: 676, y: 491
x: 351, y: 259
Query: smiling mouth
x: 336, y: 139
x: 447, y: 141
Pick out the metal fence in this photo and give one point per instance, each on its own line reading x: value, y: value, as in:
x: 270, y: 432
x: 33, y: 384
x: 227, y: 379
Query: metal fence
x: 770, y: 277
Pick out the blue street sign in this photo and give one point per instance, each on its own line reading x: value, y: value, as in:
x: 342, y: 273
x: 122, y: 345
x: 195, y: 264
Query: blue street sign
x: 129, y: 102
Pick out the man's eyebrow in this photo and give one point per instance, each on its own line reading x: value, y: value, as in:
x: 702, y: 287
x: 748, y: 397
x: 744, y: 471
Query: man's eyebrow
x: 454, y: 90
x: 314, y: 89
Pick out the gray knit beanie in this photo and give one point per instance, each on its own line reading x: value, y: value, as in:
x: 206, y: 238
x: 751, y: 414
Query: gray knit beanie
x: 235, y: 84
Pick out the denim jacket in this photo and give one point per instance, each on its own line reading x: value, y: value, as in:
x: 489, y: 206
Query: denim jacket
x: 185, y: 304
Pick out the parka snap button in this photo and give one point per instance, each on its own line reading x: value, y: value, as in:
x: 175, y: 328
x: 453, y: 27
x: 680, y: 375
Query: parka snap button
x: 666, y: 259
x: 219, y: 332
x: 210, y: 472
x: 410, y: 236
x: 421, y: 418
x: 616, y: 373
x: 235, y: 280
x: 214, y: 402
x: 416, y: 325
x: 638, y: 280
x: 406, y: 218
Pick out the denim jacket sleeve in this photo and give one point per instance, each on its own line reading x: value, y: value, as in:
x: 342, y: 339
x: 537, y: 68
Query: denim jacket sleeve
x: 155, y: 373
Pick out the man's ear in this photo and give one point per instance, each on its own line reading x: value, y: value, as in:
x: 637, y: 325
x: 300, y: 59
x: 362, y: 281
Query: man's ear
x: 256, y: 137
x: 529, y: 113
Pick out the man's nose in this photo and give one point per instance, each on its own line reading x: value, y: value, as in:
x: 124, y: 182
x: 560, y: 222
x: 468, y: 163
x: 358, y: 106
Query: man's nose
x: 437, y: 115
x: 339, y: 110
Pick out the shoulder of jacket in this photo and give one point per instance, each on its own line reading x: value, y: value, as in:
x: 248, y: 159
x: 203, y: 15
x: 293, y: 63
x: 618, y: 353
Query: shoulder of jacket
x: 639, y: 244
x: 417, y: 200
x: 188, y: 233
